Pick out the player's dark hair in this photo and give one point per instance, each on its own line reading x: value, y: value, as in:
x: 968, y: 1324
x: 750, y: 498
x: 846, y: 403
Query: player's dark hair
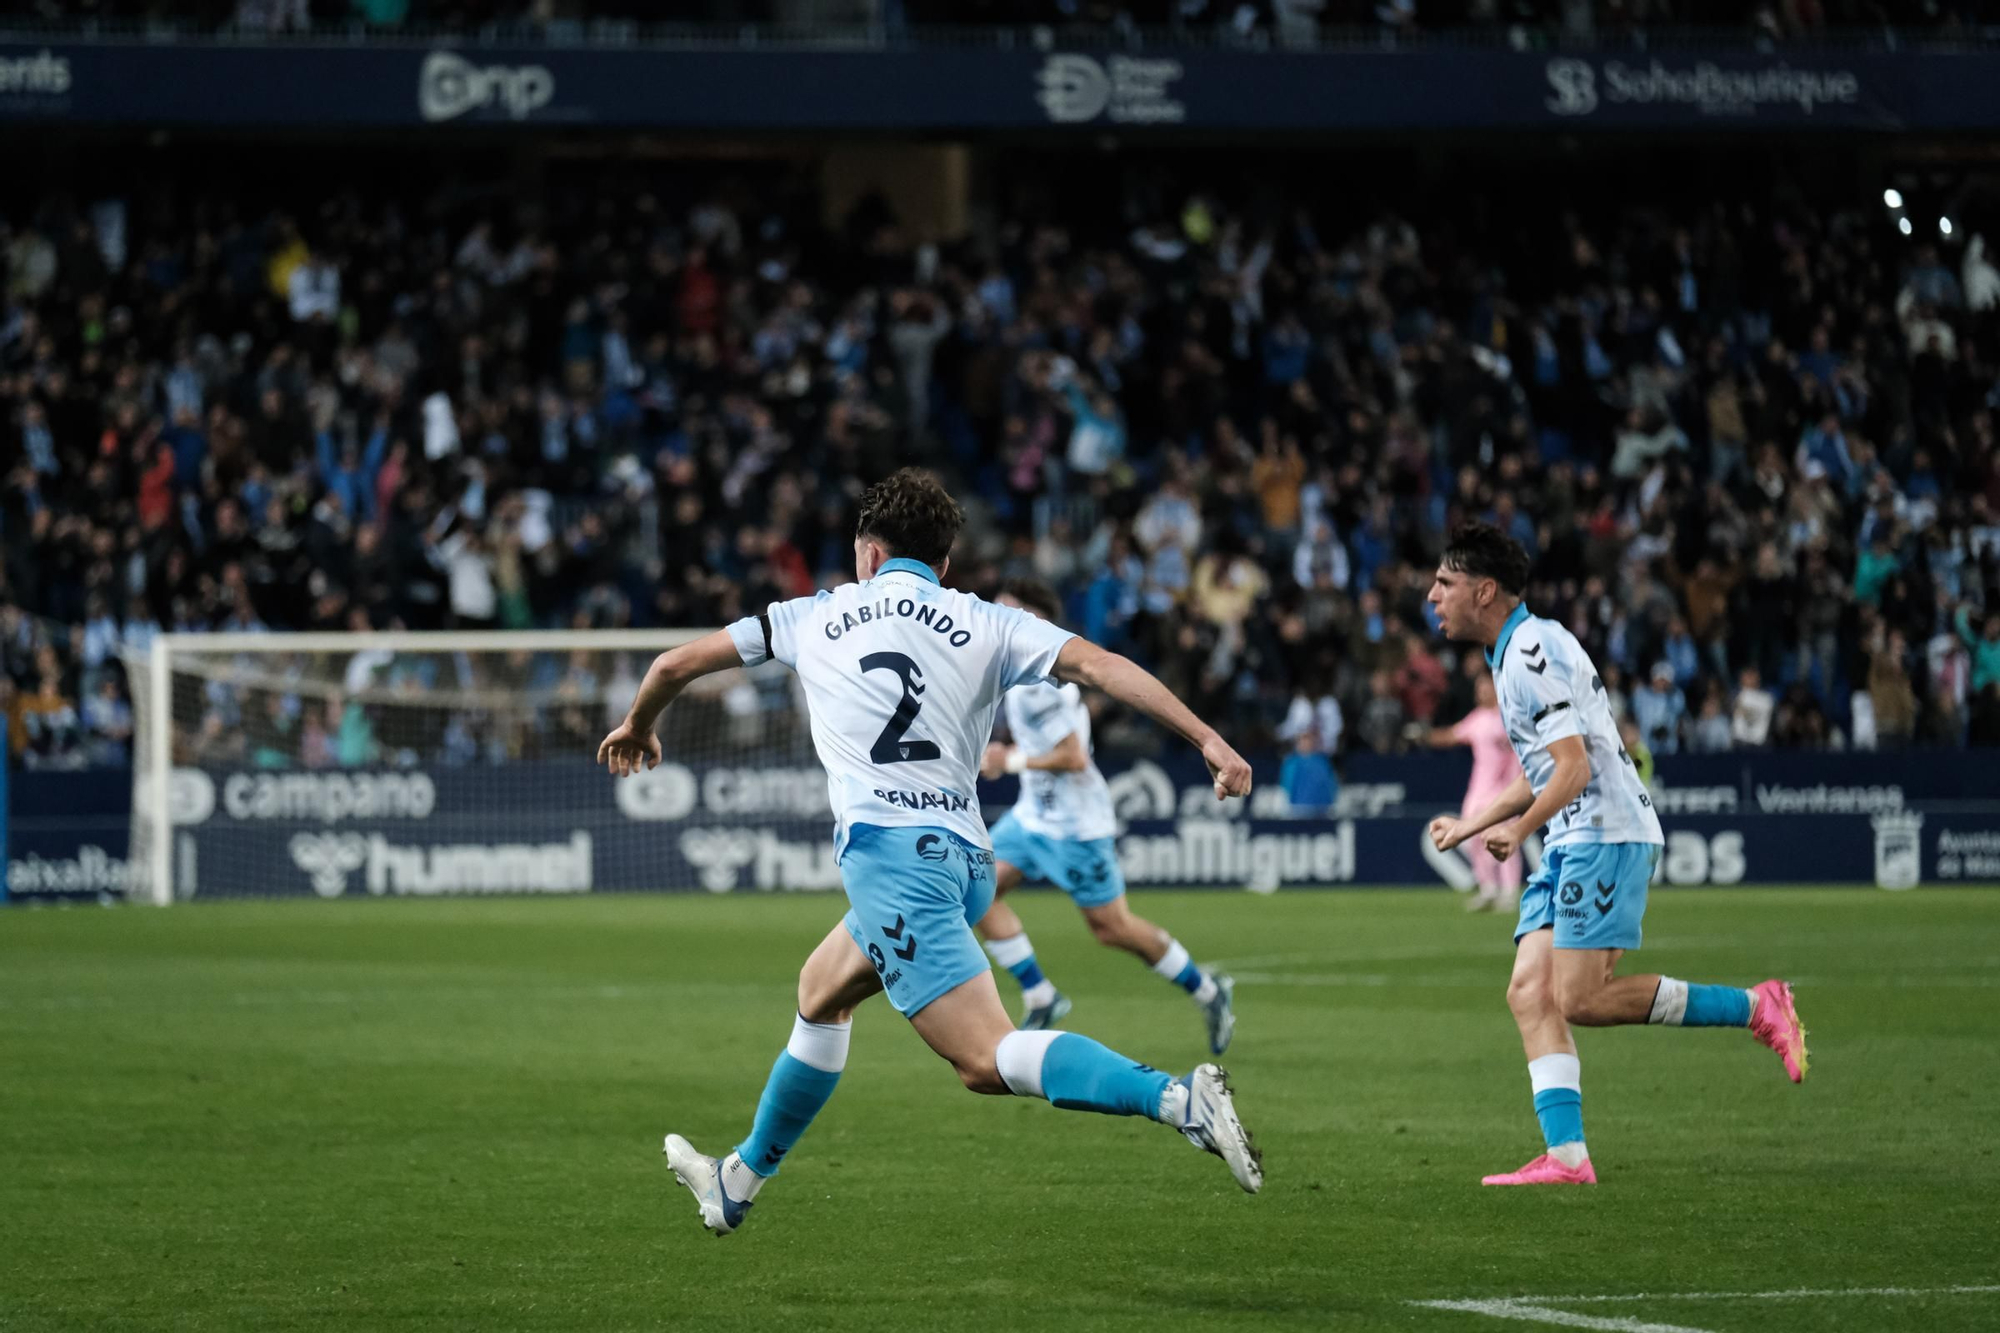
x: 1485, y: 552
x: 912, y: 514
x: 1036, y: 595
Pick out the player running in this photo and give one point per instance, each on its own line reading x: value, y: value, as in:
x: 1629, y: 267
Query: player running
x: 1060, y: 832
x: 1494, y: 769
x: 902, y: 677
x: 1584, y: 906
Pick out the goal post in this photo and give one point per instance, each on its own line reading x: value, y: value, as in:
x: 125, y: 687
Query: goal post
x: 397, y: 763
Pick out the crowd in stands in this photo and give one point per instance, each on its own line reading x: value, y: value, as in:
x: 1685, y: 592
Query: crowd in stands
x: 1751, y: 450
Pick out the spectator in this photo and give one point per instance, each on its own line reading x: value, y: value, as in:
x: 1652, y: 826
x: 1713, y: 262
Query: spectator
x: 1712, y: 730
x: 1420, y: 680
x: 313, y: 289
x: 1800, y: 722
x: 1320, y: 716
x: 1321, y: 561
x: 1307, y: 778
x: 1658, y: 709
x: 1875, y: 566
x: 1893, y: 698
x: 1750, y: 716
x: 1984, y: 647
x: 1382, y: 717
x: 1637, y: 750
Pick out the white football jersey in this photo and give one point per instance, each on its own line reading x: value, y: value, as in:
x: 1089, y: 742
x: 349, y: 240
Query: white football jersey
x: 902, y: 677
x: 1549, y: 689
x: 1074, y: 806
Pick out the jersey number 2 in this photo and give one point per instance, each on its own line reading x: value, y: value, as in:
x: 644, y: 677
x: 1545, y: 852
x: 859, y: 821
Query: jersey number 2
x: 890, y: 747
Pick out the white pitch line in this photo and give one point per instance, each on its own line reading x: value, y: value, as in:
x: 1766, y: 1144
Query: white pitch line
x: 1542, y: 1310
x: 1791, y: 1294
x: 1529, y: 1312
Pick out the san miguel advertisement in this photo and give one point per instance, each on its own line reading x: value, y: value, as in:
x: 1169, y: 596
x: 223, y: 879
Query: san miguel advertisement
x: 565, y: 827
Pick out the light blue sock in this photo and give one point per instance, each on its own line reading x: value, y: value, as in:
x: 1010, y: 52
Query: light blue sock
x: 1561, y: 1112
x: 794, y: 1093
x: 1688, y: 1004
x: 1558, y: 1084
x: 1079, y: 1074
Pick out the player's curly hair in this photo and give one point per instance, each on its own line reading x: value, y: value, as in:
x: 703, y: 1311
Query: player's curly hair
x: 1036, y: 595
x: 1485, y: 552
x: 912, y: 514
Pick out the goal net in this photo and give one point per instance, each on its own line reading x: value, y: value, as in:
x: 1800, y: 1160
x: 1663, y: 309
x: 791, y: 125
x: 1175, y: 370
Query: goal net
x: 392, y: 764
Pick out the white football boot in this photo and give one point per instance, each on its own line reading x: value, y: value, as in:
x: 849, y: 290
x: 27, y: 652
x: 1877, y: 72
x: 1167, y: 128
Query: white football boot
x: 1212, y: 1125
x: 703, y: 1177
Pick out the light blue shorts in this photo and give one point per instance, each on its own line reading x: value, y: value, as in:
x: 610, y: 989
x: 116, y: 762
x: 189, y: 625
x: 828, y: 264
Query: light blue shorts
x: 1087, y: 871
x: 913, y: 895
x: 1592, y: 893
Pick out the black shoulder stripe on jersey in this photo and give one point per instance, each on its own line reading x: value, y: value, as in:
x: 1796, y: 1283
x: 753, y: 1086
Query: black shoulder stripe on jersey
x: 764, y: 623
x: 1552, y: 708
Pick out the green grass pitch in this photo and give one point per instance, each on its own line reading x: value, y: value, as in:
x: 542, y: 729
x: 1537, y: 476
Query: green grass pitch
x: 447, y: 1114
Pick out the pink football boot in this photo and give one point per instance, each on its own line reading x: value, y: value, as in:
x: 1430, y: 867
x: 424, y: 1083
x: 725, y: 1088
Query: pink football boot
x: 1776, y: 1024
x: 1546, y: 1170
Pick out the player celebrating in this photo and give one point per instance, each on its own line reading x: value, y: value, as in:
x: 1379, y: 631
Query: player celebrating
x: 902, y: 677
x: 1060, y: 832
x: 1583, y: 907
x: 1494, y: 769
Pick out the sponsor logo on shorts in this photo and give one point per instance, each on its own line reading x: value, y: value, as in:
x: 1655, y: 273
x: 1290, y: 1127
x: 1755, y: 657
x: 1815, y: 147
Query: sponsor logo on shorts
x: 933, y: 848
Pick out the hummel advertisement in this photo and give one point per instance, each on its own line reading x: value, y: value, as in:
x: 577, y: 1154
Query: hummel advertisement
x: 564, y: 827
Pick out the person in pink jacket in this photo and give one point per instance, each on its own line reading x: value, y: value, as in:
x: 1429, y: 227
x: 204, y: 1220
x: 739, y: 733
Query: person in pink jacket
x: 1494, y: 769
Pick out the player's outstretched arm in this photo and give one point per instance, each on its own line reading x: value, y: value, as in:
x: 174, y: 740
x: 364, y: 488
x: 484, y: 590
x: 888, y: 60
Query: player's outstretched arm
x: 1129, y: 683
x: 632, y: 744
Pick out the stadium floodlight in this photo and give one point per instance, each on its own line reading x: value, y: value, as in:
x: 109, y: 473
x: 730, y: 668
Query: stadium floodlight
x: 1944, y: 226
x: 1892, y: 198
x: 1903, y: 225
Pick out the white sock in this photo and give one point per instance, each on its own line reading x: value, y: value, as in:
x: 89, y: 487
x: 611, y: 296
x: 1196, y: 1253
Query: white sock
x: 1010, y: 950
x: 1670, y: 1003
x: 1041, y: 993
x: 821, y: 1045
x: 1019, y: 1058
x: 1206, y: 991
x: 739, y: 1182
x: 1571, y: 1155
x: 1173, y: 1105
